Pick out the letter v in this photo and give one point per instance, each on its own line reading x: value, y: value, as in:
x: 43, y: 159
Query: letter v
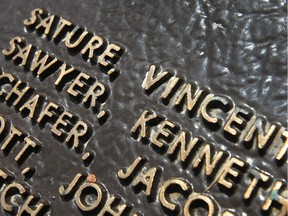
x: 151, y: 82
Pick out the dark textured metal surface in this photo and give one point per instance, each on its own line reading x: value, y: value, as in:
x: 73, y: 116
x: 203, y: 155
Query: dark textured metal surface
x: 237, y: 48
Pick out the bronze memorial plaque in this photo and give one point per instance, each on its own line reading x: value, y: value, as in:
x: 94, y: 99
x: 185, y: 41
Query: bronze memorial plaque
x: 143, y: 108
